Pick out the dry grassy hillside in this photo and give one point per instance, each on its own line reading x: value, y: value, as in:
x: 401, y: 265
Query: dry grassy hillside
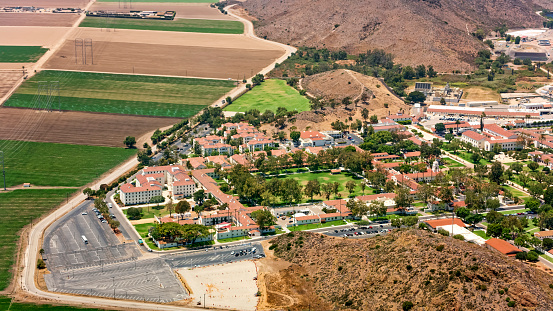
x: 406, y: 265
x: 430, y: 32
x: 335, y: 85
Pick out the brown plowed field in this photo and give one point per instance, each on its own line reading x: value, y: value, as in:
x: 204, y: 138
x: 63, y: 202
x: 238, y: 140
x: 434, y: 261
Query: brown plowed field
x: 46, y: 3
x: 76, y: 127
x: 37, y: 19
x: 192, y: 61
x: 184, y: 10
x: 7, y: 81
x: 34, y: 36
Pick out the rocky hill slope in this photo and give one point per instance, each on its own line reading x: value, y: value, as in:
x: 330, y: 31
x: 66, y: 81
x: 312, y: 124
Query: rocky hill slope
x: 406, y: 266
x: 429, y: 32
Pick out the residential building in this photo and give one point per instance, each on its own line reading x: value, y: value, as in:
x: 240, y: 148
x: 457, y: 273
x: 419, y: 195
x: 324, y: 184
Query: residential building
x: 474, y: 139
x: 503, y: 247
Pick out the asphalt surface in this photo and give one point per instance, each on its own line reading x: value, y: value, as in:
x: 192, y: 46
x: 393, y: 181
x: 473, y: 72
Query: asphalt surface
x: 213, y: 256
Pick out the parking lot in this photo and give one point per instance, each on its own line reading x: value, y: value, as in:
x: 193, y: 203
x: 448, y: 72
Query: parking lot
x: 360, y: 232
x: 214, y: 256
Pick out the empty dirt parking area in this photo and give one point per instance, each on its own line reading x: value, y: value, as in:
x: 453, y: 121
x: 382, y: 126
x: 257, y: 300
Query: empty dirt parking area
x: 229, y: 286
x: 37, y: 19
x: 184, y: 10
x: 69, y: 127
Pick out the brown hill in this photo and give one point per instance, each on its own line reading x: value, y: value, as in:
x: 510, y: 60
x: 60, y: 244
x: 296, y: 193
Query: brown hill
x: 369, y: 92
x: 382, y: 273
x: 429, y: 32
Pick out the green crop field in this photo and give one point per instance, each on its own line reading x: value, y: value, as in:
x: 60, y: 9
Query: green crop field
x: 325, y: 178
x: 20, y: 54
x: 49, y: 164
x: 5, y: 304
x: 17, y: 208
x: 123, y: 94
x: 270, y: 95
x: 180, y: 25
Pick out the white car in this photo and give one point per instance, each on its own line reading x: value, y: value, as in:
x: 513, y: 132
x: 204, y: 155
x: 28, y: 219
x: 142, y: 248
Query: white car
x: 84, y: 213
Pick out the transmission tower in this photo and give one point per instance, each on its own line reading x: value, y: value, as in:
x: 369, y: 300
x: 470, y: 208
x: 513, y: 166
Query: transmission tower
x: 79, y: 47
x: 88, y: 44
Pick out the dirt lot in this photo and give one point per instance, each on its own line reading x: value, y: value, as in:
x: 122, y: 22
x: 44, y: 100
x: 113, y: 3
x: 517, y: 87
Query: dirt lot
x: 191, y: 61
x: 46, y: 3
x: 34, y: 36
x: 37, y: 19
x: 184, y: 10
x: 76, y: 127
x: 7, y: 81
x: 229, y: 286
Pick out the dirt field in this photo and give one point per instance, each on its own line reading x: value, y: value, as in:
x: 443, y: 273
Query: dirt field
x: 7, y: 81
x: 184, y: 10
x: 37, y: 19
x: 34, y: 36
x: 229, y: 286
x: 46, y: 3
x: 76, y: 127
x: 172, y: 60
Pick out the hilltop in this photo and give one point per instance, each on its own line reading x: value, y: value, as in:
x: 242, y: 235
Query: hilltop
x: 431, y: 271
x: 429, y: 32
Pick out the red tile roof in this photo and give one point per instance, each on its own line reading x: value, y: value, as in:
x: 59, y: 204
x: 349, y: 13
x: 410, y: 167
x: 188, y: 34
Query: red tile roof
x: 503, y: 247
x: 444, y: 222
x: 474, y: 135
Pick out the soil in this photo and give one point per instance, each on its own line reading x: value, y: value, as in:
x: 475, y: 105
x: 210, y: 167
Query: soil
x: 72, y: 127
x: 336, y: 85
x: 31, y: 36
x: 174, y: 60
x: 8, y: 79
x: 429, y: 32
x: 37, y: 19
x: 184, y: 10
x: 382, y: 273
x: 46, y: 3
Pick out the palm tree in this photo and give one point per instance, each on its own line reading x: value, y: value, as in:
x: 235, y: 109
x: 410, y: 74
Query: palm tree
x: 482, y: 116
x: 457, y: 122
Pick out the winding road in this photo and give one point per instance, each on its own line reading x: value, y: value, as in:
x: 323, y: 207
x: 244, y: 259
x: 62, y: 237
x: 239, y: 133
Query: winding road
x: 26, y: 278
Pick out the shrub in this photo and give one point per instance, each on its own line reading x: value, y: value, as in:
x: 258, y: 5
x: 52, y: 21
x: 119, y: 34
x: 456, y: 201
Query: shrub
x: 274, y: 246
x: 459, y: 237
x: 440, y: 247
x: 532, y: 256
x: 40, y: 264
x: 443, y: 232
x: 409, y: 267
x: 340, y: 268
x: 501, y: 292
x: 407, y: 305
x: 551, y: 286
x: 511, y: 303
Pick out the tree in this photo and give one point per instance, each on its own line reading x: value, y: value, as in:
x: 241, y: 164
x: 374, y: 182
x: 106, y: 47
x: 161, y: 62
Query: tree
x: 350, y: 185
x: 295, y: 136
x: 170, y: 207
x: 547, y: 243
x: 263, y: 218
x: 199, y: 196
x: 114, y: 224
x: 496, y: 173
x: 462, y: 212
x: 517, y: 40
x: 548, y: 194
x: 416, y: 97
x: 365, y: 114
x: 492, y: 204
x: 535, y: 190
x: 378, y: 208
x: 374, y: 119
x: 312, y: 188
x: 403, y: 198
x: 88, y: 192
x: 410, y: 221
x: 449, y: 137
x: 533, y: 166
x: 130, y: 141
x: 335, y: 185
x: 363, y: 185
x: 134, y: 213
x: 326, y: 189
x: 40, y: 264
x: 396, y: 222
x: 517, y: 167
x: 473, y: 219
x: 440, y: 127
x: 475, y: 157
x: 532, y: 256
x: 521, y: 256
x: 182, y: 207
x: 532, y: 204
x: 494, y: 230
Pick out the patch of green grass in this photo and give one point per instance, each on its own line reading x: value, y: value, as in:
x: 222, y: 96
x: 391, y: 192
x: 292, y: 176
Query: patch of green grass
x: 482, y: 234
x: 123, y: 94
x: 514, y: 211
x: 238, y: 238
x: 270, y: 95
x: 20, y: 54
x: 17, y: 208
x: 452, y: 163
x: 180, y: 25
x: 149, y: 212
x: 49, y: 164
x: 546, y: 257
x: 316, y: 226
x: 142, y: 229
x: 5, y: 304
x: 466, y: 156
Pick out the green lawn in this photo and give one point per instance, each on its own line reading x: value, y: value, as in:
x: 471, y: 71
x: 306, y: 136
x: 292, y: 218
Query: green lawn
x: 5, y: 304
x: 516, y: 192
x: 514, y: 211
x: 20, y: 54
x: 325, y: 178
x: 238, y: 238
x: 149, y: 212
x: 482, y: 234
x: 452, y: 163
x: 315, y: 226
x: 466, y: 156
x: 49, y: 164
x: 142, y: 229
x: 270, y: 95
x: 180, y: 25
x: 17, y: 208
x: 123, y: 94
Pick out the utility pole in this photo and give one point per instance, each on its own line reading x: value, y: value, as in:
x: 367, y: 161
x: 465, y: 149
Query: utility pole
x: 3, y: 169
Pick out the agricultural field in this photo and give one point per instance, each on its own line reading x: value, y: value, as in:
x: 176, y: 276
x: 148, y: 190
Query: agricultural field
x: 270, y: 95
x: 67, y: 127
x: 31, y: 36
x: 46, y: 3
x: 37, y: 19
x: 17, y: 208
x: 8, y: 80
x: 5, y: 304
x: 184, y: 54
x: 183, y: 10
x: 325, y: 178
x: 62, y: 165
x: 123, y: 94
x: 181, y: 25
x: 20, y: 54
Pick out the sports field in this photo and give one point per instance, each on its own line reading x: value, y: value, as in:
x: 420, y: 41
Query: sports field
x: 326, y: 178
x: 20, y: 54
x: 17, y: 208
x: 270, y: 95
x: 181, y: 25
x: 47, y: 164
x: 123, y: 94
